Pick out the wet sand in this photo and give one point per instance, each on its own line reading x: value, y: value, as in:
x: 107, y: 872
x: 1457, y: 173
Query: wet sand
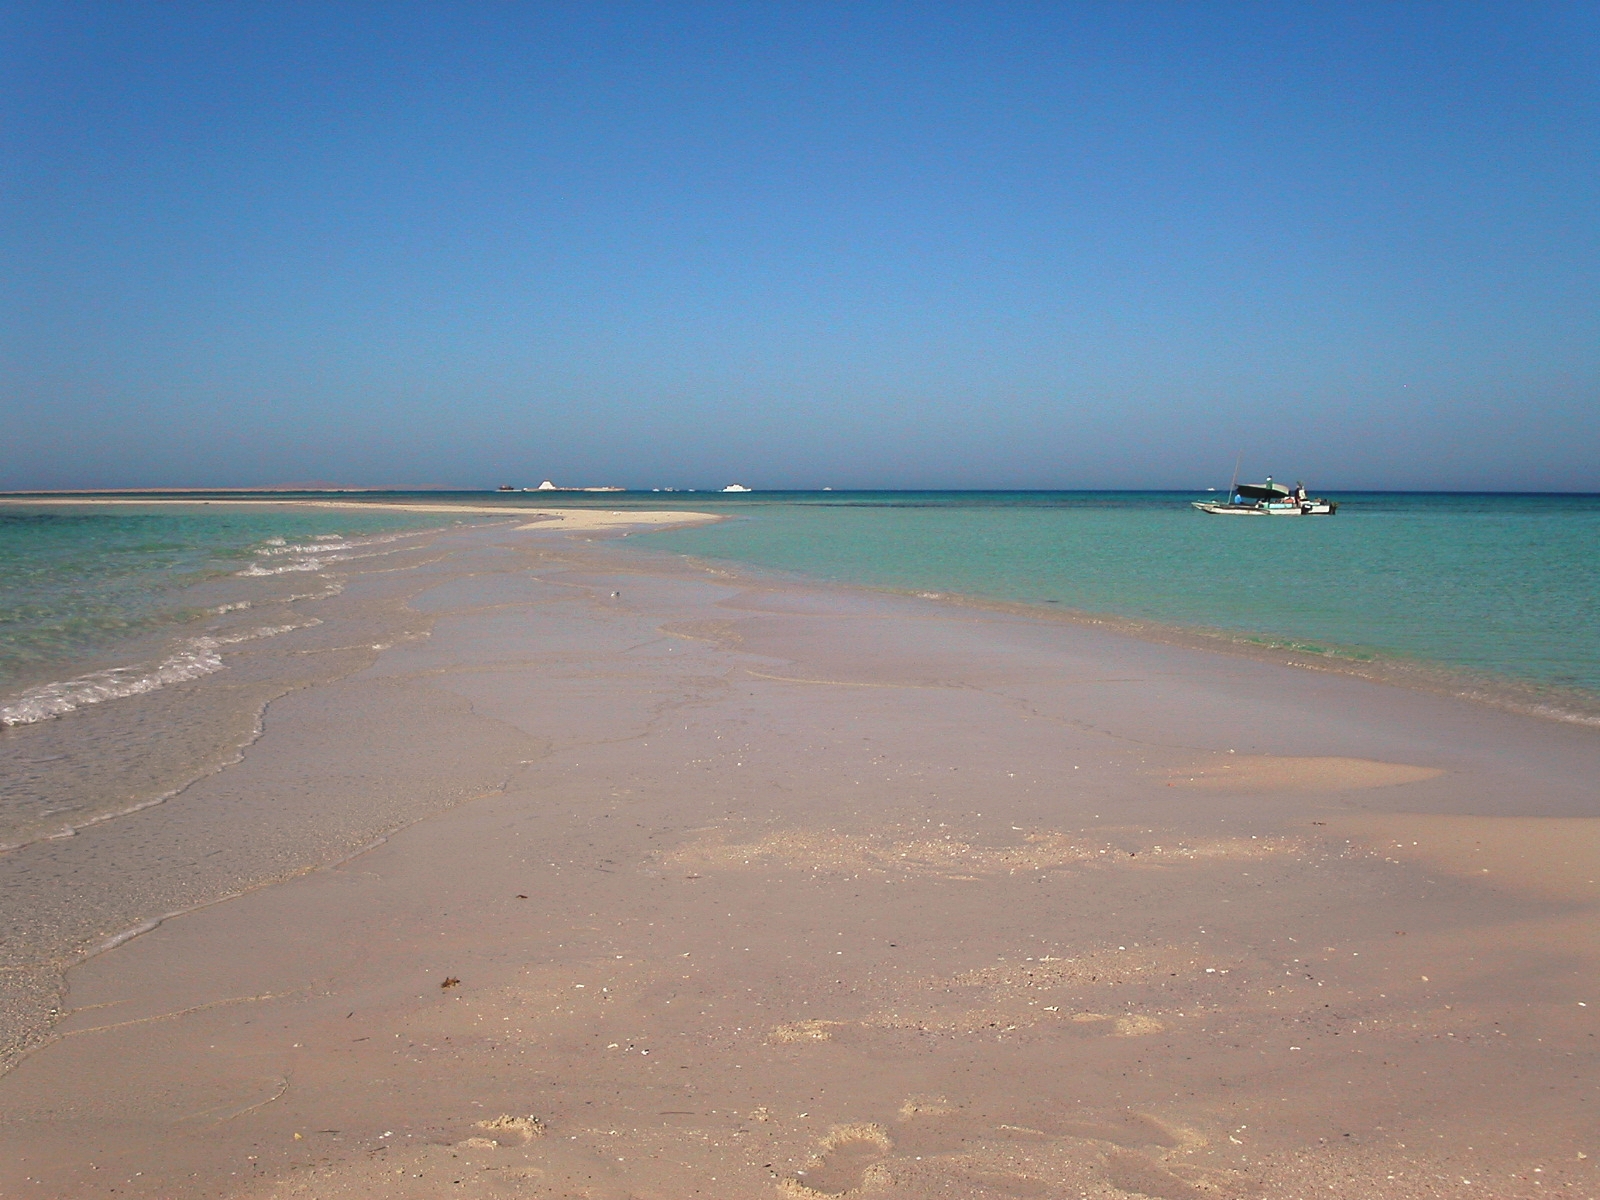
x: 733, y: 887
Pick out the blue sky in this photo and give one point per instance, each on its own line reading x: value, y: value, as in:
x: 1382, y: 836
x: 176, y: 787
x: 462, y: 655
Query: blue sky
x: 896, y: 245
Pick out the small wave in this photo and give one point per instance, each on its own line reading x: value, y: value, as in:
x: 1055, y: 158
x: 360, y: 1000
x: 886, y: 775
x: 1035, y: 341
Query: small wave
x: 236, y: 606
x: 257, y: 571
x: 333, y: 589
x: 322, y: 550
x: 266, y: 631
x: 324, y: 543
x: 310, y: 547
x: 1551, y: 712
x: 196, y: 658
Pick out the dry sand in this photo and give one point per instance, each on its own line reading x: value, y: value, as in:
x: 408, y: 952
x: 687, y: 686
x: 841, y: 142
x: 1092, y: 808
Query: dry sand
x: 777, y: 890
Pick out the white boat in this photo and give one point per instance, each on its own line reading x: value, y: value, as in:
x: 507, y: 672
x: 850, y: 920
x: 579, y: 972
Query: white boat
x: 1268, y: 499
x: 736, y: 487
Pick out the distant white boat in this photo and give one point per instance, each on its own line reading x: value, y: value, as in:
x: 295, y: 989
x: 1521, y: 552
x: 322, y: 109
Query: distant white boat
x: 548, y: 486
x: 736, y: 487
x: 1268, y: 499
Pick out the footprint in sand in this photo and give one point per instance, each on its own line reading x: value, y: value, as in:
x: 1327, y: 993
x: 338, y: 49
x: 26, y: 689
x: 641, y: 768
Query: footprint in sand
x: 804, y: 1031
x: 938, y: 1146
x: 524, y: 1129
x: 1129, y: 1171
x: 849, y: 1160
x: 925, y: 1107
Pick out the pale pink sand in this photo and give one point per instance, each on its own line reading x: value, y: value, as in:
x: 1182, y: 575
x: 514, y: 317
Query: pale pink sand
x: 775, y: 890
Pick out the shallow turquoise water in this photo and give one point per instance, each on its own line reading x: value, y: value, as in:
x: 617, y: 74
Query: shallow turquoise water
x: 75, y: 582
x: 1504, y: 585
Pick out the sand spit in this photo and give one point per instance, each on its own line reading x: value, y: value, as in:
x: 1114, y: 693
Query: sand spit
x: 542, y: 519
x: 687, y: 926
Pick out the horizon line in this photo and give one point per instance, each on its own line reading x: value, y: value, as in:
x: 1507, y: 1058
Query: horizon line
x: 288, y: 489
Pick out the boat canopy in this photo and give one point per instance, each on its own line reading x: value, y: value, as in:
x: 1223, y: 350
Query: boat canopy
x: 1262, y: 491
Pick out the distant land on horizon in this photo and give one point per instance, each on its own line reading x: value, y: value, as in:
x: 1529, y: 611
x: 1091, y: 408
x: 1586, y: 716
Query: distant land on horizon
x: 317, y: 486
x: 323, y: 487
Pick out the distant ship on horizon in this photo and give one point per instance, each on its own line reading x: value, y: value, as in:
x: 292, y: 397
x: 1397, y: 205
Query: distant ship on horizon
x: 548, y: 486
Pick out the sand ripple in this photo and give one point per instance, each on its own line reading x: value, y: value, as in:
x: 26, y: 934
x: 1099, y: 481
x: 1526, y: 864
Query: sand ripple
x: 1283, y: 773
x: 954, y: 856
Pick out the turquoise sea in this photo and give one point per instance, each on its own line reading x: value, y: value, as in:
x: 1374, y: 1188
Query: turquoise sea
x: 95, y: 589
x: 1496, y: 588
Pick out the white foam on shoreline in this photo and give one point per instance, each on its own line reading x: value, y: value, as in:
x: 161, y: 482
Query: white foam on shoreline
x: 256, y: 570
x: 198, y: 657
x: 266, y: 631
x: 334, y: 588
x: 194, y: 659
x: 1548, y: 711
x: 319, y: 552
x: 317, y: 558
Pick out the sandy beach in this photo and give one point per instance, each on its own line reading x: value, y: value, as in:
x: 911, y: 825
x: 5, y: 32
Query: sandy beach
x: 596, y: 872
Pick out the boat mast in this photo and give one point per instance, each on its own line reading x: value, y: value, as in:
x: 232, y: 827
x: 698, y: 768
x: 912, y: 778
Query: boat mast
x: 1234, y: 483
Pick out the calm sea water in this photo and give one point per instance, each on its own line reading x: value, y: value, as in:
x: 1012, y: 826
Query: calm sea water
x: 1498, y: 586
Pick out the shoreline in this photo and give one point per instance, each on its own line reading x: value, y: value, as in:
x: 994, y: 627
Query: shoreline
x: 1504, y: 692
x: 1509, y: 692
x: 112, y: 674
x: 808, y: 888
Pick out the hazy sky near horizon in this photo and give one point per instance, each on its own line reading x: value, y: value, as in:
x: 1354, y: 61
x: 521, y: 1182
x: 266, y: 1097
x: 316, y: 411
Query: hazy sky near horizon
x: 800, y: 244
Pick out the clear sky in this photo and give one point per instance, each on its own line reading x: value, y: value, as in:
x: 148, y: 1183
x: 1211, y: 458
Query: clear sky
x: 800, y: 244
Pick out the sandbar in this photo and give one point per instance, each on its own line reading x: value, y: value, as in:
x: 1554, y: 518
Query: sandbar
x: 702, y: 883
x: 570, y: 519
